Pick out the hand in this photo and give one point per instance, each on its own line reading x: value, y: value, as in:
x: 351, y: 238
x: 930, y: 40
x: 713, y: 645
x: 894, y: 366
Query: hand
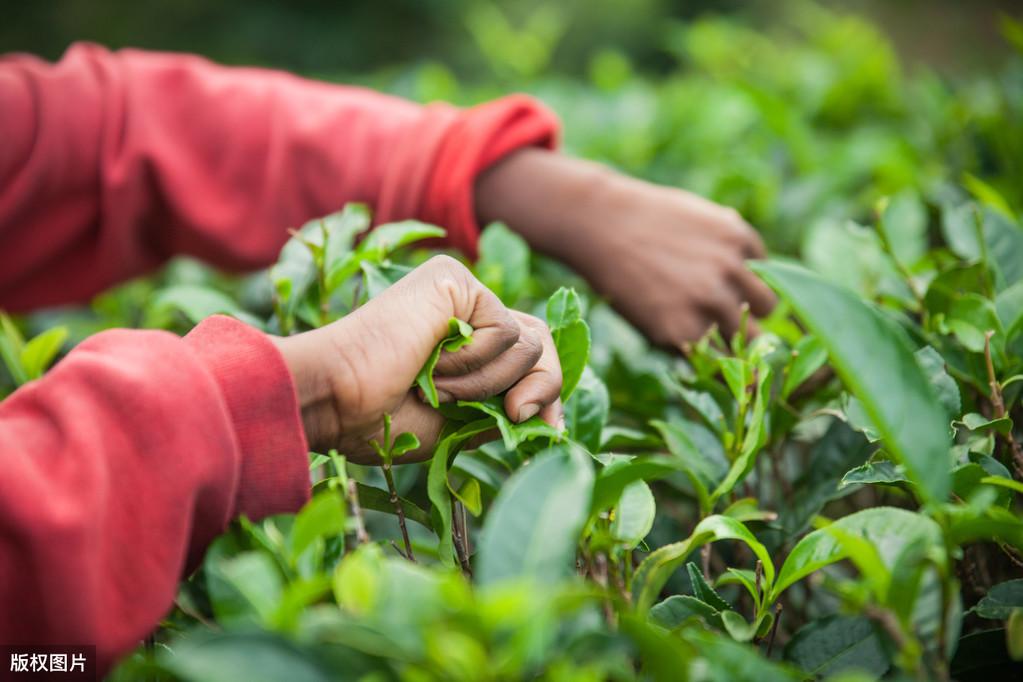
x: 671, y: 262
x: 352, y: 372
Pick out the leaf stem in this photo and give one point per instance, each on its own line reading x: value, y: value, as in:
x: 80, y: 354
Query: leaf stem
x: 399, y: 511
x: 361, y: 536
x: 998, y: 401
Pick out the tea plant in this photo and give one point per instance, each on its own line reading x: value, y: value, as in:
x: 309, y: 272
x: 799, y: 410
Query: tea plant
x: 837, y: 497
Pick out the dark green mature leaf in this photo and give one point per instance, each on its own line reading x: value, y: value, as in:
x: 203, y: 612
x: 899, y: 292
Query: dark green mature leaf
x: 832, y: 456
x: 703, y: 591
x: 881, y: 471
x: 834, y: 643
x: 875, y: 361
x: 1001, y: 600
x: 555, y: 486
x: 380, y: 500
x: 983, y: 657
x: 503, y: 265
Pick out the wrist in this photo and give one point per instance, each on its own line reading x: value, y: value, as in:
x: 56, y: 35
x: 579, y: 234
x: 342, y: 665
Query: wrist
x: 304, y: 357
x: 553, y: 201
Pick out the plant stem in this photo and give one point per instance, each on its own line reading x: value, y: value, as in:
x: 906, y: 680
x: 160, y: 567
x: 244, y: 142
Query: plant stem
x: 774, y: 628
x: 457, y: 533
x: 361, y: 536
x: 705, y: 556
x: 399, y: 511
x: 998, y: 402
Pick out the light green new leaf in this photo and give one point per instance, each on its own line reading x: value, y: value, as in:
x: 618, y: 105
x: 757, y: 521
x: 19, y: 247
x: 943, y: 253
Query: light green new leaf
x: 634, y: 515
x: 586, y: 411
x: 571, y: 337
x: 459, y: 335
x: 808, y: 356
x: 655, y: 570
x: 385, y: 239
x: 874, y: 359
x: 321, y: 517
x: 38, y: 353
x: 503, y: 265
x: 887, y: 528
x: 553, y: 490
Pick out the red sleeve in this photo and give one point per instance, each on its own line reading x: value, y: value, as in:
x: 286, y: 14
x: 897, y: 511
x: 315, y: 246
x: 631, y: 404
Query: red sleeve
x: 113, y: 162
x: 123, y: 463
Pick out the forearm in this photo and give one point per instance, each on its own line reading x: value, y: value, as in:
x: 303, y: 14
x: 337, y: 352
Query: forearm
x: 123, y: 463
x: 121, y: 160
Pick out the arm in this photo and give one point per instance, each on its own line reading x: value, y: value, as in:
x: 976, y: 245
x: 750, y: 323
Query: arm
x: 113, y: 162
x: 126, y: 460
x: 671, y: 262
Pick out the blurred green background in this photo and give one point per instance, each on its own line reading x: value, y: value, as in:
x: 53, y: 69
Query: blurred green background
x: 800, y: 114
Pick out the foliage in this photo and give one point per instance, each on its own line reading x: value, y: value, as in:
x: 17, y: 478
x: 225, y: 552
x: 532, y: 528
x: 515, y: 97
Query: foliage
x: 836, y: 497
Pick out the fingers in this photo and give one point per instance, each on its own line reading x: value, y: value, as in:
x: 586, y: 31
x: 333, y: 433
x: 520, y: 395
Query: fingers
x: 496, y: 376
x: 753, y: 290
x: 539, y: 390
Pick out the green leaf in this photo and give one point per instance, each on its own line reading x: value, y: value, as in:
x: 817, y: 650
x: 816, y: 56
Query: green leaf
x: 978, y: 422
x: 704, y: 467
x: 677, y: 609
x: 342, y: 229
x: 459, y: 335
x: 988, y: 195
x: 634, y: 514
x: 469, y: 495
x: 244, y: 588
x: 945, y: 387
x: 623, y: 471
x: 358, y: 580
x: 380, y: 500
x: 438, y: 488
x: 903, y: 227
x: 887, y: 528
x: 196, y: 303
x: 703, y: 591
x: 1001, y: 600
x: 241, y: 657
x: 38, y: 353
x: 586, y: 411
x: 1014, y: 635
x: 322, y: 517
x: 881, y: 471
x: 835, y: 643
x: 808, y: 356
x: 404, y: 443
x: 385, y: 239
x: 540, y: 545
x: 874, y: 359
x: 571, y: 337
x: 503, y: 265
x: 737, y: 627
x: 655, y: 570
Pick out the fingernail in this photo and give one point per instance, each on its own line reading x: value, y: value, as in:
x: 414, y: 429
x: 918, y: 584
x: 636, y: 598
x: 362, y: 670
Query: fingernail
x: 561, y: 423
x: 528, y: 410
x: 443, y: 396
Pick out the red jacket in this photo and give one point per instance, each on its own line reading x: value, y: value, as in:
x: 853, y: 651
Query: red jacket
x: 125, y: 461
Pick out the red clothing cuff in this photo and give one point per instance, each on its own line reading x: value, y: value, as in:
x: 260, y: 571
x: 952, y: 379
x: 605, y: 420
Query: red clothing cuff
x: 260, y: 396
x: 435, y: 181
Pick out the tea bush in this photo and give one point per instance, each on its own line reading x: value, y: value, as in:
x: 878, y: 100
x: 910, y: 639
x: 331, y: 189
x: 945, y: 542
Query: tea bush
x: 835, y: 498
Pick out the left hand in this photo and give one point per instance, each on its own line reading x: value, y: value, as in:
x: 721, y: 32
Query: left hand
x: 671, y: 262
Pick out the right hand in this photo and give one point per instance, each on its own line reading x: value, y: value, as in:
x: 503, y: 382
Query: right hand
x: 352, y: 372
